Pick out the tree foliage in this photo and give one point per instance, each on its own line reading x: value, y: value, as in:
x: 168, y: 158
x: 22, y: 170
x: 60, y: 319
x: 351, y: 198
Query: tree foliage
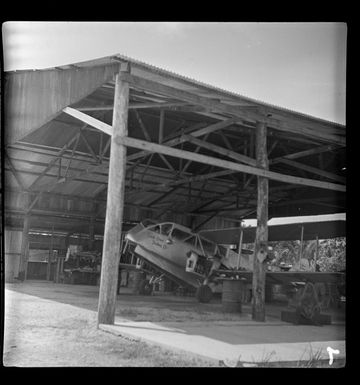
x: 331, y: 254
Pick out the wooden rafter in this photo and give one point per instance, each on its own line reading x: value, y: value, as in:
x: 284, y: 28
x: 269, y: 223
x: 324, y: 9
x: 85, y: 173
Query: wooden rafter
x: 14, y: 172
x: 53, y: 161
x: 107, y: 145
x: 148, y: 138
x: 72, y: 154
x: 304, y: 153
x: 153, y: 147
x: 180, y: 130
x: 241, y: 112
x: 314, y: 170
x: 92, y: 152
x: 197, y: 149
x: 102, y: 171
x: 161, y: 126
x: 102, y: 126
x: 196, y: 133
x: 220, y: 150
x: 161, y: 197
x: 134, y: 106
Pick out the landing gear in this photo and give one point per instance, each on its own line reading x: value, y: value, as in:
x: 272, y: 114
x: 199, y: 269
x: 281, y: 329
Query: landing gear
x: 204, y: 293
x: 145, y: 287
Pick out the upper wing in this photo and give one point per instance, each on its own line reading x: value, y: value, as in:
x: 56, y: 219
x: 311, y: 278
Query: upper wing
x: 285, y: 277
x: 324, y: 229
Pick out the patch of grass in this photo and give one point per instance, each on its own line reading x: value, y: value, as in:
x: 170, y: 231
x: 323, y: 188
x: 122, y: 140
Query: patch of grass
x: 139, y: 354
x: 312, y: 362
x: 265, y: 359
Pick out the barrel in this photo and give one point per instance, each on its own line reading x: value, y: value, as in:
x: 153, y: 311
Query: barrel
x: 162, y: 285
x: 134, y: 280
x: 231, y: 295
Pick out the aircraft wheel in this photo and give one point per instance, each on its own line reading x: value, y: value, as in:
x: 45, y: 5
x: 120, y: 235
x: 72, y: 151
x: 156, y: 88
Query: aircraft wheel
x: 204, y: 293
x: 145, y: 288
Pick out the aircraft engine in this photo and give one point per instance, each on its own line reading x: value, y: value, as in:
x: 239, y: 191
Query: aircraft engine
x: 197, y: 264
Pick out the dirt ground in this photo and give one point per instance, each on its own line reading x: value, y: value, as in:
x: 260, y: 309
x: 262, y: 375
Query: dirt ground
x: 47, y: 333
x: 48, y: 324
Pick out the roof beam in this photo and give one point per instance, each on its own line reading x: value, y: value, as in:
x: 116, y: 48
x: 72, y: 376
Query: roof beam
x: 304, y: 153
x: 241, y: 112
x: 198, y: 178
x: 187, y: 165
x: 161, y: 197
x: 53, y: 161
x: 220, y: 150
x: 14, y: 172
x: 157, y: 148
x: 92, y: 152
x: 198, y: 132
x: 104, y: 127
x: 134, y: 106
x: 148, y: 138
x: 314, y: 170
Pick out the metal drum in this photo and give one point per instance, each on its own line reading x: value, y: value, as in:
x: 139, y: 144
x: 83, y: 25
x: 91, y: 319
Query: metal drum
x: 231, y: 295
x: 134, y: 282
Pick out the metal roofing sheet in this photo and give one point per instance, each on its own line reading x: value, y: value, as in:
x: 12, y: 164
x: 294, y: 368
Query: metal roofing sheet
x: 171, y: 78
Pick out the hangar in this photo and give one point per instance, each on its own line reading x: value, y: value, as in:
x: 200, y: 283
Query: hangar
x: 92, y: 148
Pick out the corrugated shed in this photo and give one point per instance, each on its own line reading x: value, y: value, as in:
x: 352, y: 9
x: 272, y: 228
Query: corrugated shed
x: 40, y: 135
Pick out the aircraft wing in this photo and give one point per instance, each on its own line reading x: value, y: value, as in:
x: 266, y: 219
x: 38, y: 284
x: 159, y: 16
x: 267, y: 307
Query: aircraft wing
x: 324, y: 229
x: 286, y: 277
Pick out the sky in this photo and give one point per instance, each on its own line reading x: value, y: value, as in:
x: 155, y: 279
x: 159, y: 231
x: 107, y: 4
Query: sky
x: 300, y: 66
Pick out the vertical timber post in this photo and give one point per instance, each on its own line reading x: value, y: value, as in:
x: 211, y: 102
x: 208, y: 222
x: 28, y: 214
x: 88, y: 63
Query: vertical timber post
x: 316, y: 252
x: 260, y: 252
x: 240, y: 246
x: 91, y: 233
x: 114, y: 206
x: 301, y: 245
x: 51, y: 252
x: 24, y: 241
x: 161, y: 126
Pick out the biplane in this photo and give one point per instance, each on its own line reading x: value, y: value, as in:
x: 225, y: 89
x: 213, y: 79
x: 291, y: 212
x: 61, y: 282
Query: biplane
x: 200, y: 260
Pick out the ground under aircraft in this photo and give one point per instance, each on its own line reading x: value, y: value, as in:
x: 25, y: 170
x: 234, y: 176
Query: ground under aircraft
x: 195, y: 260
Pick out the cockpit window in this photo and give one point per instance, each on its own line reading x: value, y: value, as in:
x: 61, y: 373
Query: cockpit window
x: 155, y: 229
x: 166, y: 228
x: 179, y: 234
x: 209, y: 248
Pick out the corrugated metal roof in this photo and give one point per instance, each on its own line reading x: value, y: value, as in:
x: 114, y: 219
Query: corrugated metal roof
x: 140, y: 65
x: 37, y: 147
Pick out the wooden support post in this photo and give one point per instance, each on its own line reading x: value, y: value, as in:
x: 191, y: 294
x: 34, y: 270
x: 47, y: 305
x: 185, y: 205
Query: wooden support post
x: 24, y: 242
x: 240, y: 246
x: 260, y: 252
x: 48, y: 270
x: 26, y: 259
x: 92, y: 228
x: 114, y: 207
x: 57, y: 271
x: 67, y: 240
x: 301, y: 244
x: 316, y: 252
x: 161, y: 126
x: 217, y: 162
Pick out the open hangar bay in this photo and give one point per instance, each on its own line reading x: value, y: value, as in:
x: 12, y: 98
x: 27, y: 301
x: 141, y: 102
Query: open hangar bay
x: 93, y: 148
